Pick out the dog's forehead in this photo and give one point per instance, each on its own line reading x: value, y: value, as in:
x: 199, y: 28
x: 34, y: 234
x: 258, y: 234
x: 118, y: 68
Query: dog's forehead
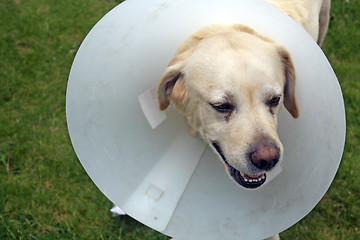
x: 229, y: 55
x: 219, y: 69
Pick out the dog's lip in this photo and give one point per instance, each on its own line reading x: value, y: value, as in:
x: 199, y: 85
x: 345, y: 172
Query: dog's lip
x: 245, y: 180
x: 253, y: 178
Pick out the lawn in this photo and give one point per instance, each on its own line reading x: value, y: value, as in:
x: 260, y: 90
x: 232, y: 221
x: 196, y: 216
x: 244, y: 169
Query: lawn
x: 44, y: 191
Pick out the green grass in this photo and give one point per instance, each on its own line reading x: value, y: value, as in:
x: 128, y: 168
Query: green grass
x: 44, y: 191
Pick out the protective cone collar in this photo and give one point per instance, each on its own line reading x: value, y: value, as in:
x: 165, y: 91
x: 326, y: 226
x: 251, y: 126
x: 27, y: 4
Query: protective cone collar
x: 144, y: 160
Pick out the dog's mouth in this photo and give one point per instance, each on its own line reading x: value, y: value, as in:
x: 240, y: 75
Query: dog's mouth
x: 245, y: 180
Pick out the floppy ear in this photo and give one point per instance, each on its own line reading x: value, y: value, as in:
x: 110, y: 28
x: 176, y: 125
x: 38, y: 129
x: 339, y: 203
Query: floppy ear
x: 172, y: 87
x: 290, y: 102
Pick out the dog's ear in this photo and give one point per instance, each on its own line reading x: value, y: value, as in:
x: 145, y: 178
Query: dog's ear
x: 172, y: 86
x: 290, y: 102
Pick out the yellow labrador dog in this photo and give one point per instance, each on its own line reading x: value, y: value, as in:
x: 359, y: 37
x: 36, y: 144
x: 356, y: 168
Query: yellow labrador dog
x: 230, y: 83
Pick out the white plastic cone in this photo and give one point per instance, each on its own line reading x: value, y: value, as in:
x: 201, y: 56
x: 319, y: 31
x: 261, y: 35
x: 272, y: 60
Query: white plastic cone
x: 145, y: 161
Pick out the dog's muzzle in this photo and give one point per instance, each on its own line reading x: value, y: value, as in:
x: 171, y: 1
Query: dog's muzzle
x: 263, y: 157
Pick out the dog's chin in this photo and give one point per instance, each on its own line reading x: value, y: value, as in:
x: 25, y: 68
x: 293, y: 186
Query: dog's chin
x: 245, y: 180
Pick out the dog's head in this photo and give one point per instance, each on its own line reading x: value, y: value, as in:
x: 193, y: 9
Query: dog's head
x: 230, y: 83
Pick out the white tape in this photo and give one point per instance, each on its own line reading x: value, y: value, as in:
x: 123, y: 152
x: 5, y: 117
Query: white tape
x: 150, y: 107
x: 166, y: 182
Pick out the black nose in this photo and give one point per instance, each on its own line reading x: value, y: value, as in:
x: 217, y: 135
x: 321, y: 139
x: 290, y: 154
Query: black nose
x: 264, y: 156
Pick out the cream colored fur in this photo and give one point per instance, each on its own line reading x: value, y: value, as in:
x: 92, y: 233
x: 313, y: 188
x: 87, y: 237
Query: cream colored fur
x: 230, y: 82
x: 312, y: 15
x: 231, y: 64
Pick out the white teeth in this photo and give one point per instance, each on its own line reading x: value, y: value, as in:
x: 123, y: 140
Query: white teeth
x: 251, y: 180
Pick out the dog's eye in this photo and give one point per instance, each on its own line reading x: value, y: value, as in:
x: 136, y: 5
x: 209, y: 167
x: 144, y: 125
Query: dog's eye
x: 223, y: 107
x: 274, y: 101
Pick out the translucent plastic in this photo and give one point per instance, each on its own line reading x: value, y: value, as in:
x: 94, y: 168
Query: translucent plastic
x: 147, y: 163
